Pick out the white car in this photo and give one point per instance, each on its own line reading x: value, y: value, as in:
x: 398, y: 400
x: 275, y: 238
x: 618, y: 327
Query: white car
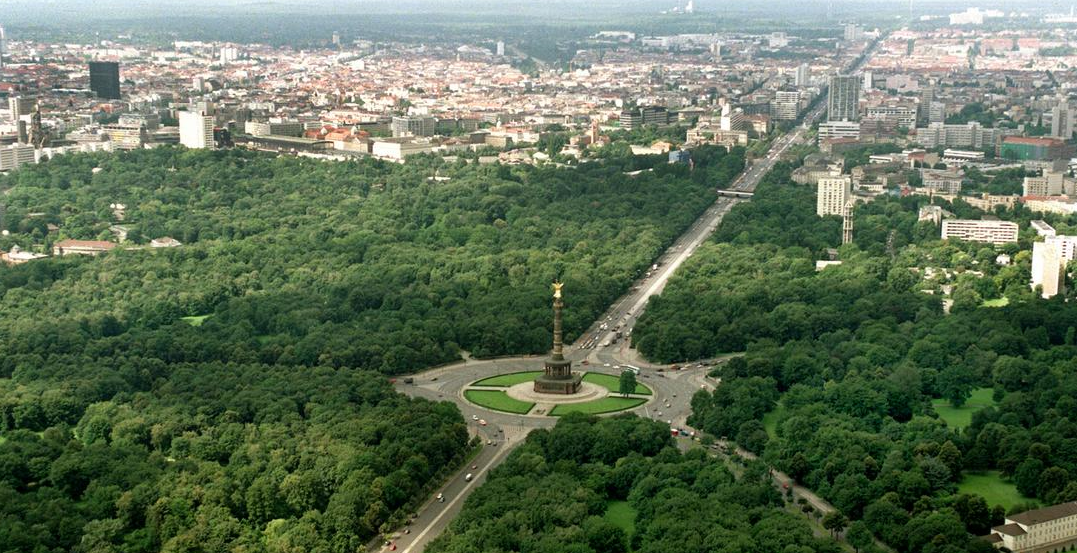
x: 605, y: 364
x: 441, y: 498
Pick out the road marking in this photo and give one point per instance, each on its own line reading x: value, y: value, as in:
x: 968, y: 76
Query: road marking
x: 463, y: 493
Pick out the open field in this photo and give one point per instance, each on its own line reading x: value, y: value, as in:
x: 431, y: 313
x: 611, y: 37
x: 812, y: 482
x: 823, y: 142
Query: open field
x: 992, y: 487
x: 960, y: 417
x: 622, y: 515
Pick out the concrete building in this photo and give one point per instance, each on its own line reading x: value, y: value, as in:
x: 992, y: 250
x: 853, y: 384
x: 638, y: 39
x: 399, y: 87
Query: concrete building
x: 839, y: 129
x: 105, y: 79
x: 15, y: 155
x: 267, y: 128
x: 1062, y: 121
x: 971, y: 230
x: 843, y: 98
x: 1043, y: 530
x: 802, y: 77
x: 942, y: 181
x: 196, y: 129
x: 126, y: 137
x: 785, y: 106
x: 399, y: 148
x: 833, y: 194
x: 902, y: 116
x: 500, y: 48
x: 20, y: 106
x: 413, y: 126
x: 853, y: 32
x: 1047, y: 268
x: 971, y: 135
x: 1048, y: 184
x: 81, y: 247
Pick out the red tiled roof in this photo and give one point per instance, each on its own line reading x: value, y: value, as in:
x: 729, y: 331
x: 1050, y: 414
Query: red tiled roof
x: 99, y: 244
x: 1032, y: 140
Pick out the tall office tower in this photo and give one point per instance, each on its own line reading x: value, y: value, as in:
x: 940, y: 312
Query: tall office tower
x: 869, y: 80
x: 105, y: 79
x: 3, y: 46
x: 833, y: 194
x: 803, y: 75
x: 853, y: 33
x: 927, y: 96
x: 843, y: 98
x: 500, y: 48
x: 1062, y: 120
x: 20, y: 107
x: 229, y: 54
x: 336, y: 39
x: 196, y: 129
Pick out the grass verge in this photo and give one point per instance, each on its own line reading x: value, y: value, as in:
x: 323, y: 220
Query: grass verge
x: 598, y: 406
x: 506, y: 380
x: 498, y: 401
x: 613, y: 383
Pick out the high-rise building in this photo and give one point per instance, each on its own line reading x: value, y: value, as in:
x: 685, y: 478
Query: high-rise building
x: 927, y: 96
x: 843, y: 98
x: 833, y: 194
x: 3, y: 47
x: 853, y: 32
x: 1048, y: 268
x: 500, y: 48
x: 974, y: 230
x: 105, y: 79
x: 869, y: 80
x: 1062, y: 121
x: 229, y: 54
x: 11, y: 157
x: 196, y: 129
x: 785, y: 106
x: 20, y: 106
x: 803, y: 75
x: 336, y: 38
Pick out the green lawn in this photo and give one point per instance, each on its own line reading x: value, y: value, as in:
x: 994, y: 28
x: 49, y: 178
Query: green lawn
x: 613, y: 383
x: 993, y: 488
x: 997, y: 302
x: 506, y: 380
x: 961, y: 417
x: 622, y: 515
x: 498, y: 401
x: 604, y: 405
x: 195, y: 320
x: 770, y: 420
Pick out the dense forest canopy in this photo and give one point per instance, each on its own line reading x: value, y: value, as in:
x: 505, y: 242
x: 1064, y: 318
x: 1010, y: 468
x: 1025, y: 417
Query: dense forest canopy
x: 553, y: 493
x: 850, y: 365
x: 125, y: 427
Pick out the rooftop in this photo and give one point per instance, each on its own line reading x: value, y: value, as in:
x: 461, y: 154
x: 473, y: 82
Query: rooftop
x: 1046, y: 514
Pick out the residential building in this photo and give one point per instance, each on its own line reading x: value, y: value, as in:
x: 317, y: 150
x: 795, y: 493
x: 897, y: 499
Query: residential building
x: 105, y: 79
x: 1022, y: 147
x: 81, y: 247
x: 833, y: 194
x: 971, y: 230
x: 1041, y: 530
x: 802, y: 77
x: 843, y: 98
x: 902, y: 116
x: 1048, y: 184
x: 20, y: 106
x: 1047, y: 268
x: 279, y: 128
x: 1062, y: 116
x: 785, y: 106
x: 17, y: 256
x: 196, y: 129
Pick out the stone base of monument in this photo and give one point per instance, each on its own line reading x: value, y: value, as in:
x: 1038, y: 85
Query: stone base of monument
x: 587, y: 391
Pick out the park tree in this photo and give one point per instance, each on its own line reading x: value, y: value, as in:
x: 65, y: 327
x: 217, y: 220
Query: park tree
x: 627, y: 383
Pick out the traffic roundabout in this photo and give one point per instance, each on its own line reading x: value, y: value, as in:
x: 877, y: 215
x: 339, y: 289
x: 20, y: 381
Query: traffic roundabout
x: 515, y: 393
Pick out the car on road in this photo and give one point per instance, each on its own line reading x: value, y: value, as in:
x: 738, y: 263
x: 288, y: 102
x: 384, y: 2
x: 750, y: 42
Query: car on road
x: 489, y: 442
x: 605, y: 364
x: 468, y: 477
x: 441, y: 498
x: 482, y: 422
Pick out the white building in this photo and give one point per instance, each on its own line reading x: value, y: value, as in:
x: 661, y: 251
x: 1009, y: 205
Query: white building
x: 803, y: 75
x: 971, y: 230
x: 839, y: 129
x: 1051, y: 528
x: 11, y: 157
x: 1047, y: 268
x: 196, y: 129
x: 833, y: 194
